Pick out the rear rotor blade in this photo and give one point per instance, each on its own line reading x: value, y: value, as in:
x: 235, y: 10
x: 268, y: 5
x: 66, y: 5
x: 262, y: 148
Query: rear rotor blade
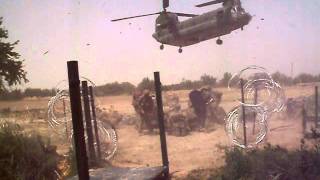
x: 135, y: 17
x: 210, y: 3
x: 165, y: 4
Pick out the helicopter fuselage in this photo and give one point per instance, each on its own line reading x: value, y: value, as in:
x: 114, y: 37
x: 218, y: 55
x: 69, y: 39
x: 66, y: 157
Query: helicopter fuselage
x: 216, y: 23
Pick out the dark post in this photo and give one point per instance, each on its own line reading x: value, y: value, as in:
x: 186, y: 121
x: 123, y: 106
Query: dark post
x: 163, y: 142
x: 77, y: 122
x: 243, y: 114
x: 92, y: 156
x: 304, y: 121
x: 94, y: 118
x: 255, y: 103
x: 65, y: 118
x: 316, y: 106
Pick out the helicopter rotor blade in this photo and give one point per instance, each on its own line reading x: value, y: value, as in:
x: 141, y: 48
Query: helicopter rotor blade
x: 184, y: 14
x: 131, y: 17
x: 210, y: 3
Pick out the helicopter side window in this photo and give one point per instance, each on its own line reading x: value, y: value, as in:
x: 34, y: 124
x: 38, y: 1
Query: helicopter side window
x: 241, y: 10
x: 161, y: 26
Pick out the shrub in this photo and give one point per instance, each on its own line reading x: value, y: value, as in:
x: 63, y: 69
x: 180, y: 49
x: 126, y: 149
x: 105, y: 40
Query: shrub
x: 271, y: 162
x: 72, y: 163
x: 113, y: 89
x: 26, y: 156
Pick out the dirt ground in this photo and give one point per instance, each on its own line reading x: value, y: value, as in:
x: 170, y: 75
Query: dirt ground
x: 197, y: 150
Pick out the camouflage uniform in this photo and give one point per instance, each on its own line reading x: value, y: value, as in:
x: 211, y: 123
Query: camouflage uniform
x: 176, y: 121
x: 144, y: 105
x: 199, y: 106
x: 135, y: 100
x: 205, y: 104
x: 215, y: 113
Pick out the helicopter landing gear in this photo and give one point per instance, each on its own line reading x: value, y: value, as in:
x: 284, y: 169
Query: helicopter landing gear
x: 161, y: 47
x: 219, y: 41
x: 180, y: 50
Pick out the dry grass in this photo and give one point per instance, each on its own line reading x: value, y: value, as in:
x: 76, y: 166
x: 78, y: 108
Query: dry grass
x: 198, y: 150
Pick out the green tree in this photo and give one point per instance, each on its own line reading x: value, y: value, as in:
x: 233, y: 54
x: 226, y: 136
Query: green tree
x: 11, y: 67
x: 208, y: 80
x: 146, y: 83
x: 37, y: 92
x: 114, y: 88
x: 12, y: 95
x: 226, y: 77
x: 304, y: 78
x: 282, y: 78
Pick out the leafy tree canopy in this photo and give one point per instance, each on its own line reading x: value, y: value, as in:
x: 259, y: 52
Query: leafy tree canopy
x: 11, y: 67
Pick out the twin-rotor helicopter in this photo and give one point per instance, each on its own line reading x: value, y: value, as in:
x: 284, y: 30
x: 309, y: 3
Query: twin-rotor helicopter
x: 216, y: 23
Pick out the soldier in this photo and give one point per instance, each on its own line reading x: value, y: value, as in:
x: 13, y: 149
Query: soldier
x: 175, y: 119
x: 207, y: 94
x: 213, y: 98
x: 147, y: 108
x: 290, y: 107
x: 205, y: 105
x: 135, y: 100
x: 199, y: 106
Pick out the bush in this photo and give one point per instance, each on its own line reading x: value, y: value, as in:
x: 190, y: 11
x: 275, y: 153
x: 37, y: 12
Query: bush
x: 72, y: 163
x: 113, y: 89
x: 271, y: 162
x: 13, y: 95
x: 37, y: 92
x: 146, y: 83
x: 26, y: 156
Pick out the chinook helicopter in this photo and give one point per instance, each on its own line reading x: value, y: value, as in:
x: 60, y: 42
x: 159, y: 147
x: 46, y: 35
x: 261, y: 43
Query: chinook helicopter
x: 216, y: 23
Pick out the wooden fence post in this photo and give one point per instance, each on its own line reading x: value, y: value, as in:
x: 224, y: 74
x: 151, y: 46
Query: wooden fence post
x: 163, y: 142
x: 316, y: 107
x: 94, y: 118
x: 255, y: 103
x: 243, y: 114
x: 87, y: 115
x: 304, y: 121
x: 77, y: 122
x: 65, y: 118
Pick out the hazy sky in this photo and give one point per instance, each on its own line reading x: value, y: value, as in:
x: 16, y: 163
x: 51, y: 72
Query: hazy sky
x: 126, y: 52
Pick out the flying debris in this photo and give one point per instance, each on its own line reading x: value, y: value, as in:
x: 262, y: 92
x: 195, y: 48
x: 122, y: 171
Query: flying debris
x: 262, y: 19
x: 88, y: 44
x: 45, y: 53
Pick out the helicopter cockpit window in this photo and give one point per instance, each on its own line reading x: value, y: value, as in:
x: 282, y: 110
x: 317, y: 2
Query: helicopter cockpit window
x: 234, y: 10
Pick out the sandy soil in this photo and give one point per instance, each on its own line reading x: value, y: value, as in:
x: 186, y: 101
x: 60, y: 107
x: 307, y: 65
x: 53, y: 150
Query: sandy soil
x: 197, y: 150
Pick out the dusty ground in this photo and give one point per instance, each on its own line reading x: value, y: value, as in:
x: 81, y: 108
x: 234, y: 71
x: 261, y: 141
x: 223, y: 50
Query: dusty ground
x: 198, y: 150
